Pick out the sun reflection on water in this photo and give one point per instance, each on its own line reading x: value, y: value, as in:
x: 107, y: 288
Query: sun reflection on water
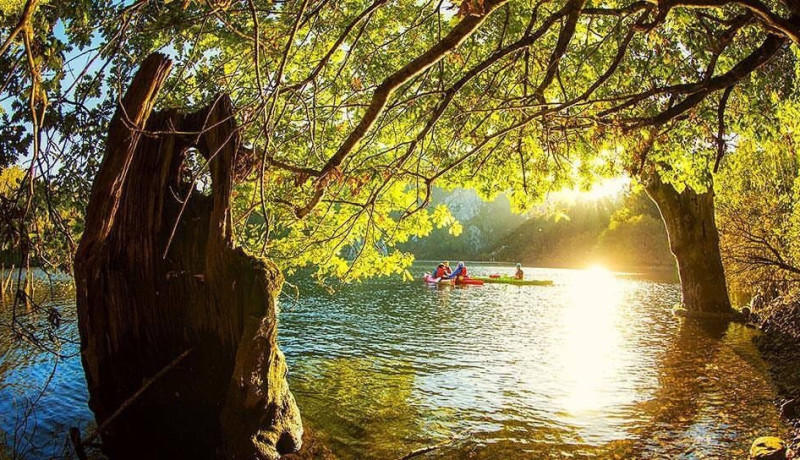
x: 591, y: 361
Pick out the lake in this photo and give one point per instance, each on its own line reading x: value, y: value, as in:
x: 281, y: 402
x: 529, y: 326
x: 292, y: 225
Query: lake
x: 593, y: 366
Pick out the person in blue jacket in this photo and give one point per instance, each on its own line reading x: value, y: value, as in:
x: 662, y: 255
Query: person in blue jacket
x: 461, y: 270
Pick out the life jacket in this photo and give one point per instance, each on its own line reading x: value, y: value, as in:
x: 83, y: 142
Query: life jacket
x: 439, y: 272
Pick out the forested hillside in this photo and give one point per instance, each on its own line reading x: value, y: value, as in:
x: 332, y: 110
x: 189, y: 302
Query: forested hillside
x: 482, y: 224
x: 620, y: 231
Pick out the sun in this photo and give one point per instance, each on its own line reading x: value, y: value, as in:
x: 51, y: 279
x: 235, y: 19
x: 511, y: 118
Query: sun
x: 606, y: 188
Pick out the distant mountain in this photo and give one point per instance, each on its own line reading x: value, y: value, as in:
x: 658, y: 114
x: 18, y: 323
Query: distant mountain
x: 619, y: 232
x: 566, y: 239
x: 484, y: 223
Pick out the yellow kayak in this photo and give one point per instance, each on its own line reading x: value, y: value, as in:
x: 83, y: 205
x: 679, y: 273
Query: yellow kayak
x: 514, y: 281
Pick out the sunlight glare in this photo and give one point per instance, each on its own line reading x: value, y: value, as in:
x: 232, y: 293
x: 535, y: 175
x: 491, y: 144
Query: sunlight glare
x: 605, y: 188
x: 590, y: 351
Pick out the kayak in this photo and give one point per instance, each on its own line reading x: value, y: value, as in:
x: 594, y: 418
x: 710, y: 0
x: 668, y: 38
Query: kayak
x: 428, y: 278
x: 514, y: 281
x: 470, y: 281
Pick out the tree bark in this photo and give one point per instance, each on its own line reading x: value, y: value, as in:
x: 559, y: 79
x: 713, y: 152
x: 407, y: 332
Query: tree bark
x: 694, y: 241
x: 156, y: 277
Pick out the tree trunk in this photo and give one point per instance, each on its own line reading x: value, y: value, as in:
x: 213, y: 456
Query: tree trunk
x: 694, y: 241
x: 157, y: 277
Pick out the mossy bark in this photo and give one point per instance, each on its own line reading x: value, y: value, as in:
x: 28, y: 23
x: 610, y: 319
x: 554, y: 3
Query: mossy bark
x: 694, y: 241
x: 158, y: 274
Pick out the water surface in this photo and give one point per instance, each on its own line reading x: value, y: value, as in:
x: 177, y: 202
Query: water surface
x: 594, y: 366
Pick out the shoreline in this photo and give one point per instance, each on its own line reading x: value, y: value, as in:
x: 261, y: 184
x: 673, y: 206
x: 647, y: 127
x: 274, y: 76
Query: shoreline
x: 779, y: 345
x: 661, y: 269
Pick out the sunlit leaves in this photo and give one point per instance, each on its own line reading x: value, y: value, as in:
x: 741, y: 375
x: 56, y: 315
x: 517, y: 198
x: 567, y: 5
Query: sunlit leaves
x: 10, y: 180
x: 757, y: 196
x: 301, y: 81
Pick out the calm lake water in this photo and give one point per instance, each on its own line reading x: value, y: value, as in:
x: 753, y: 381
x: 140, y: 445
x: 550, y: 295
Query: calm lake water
x: 594, y: 366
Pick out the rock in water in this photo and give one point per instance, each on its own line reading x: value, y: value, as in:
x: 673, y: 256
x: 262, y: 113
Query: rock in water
x: 790, y: 409
x: 768, y: 448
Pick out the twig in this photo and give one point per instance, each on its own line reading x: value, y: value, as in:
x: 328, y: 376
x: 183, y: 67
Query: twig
x: 128, y: 402
x: 425, y: 450
x: 77, y: 445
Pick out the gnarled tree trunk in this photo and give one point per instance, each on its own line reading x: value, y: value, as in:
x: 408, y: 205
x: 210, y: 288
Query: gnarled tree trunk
x: 158, y: 277
x: 694, y: 241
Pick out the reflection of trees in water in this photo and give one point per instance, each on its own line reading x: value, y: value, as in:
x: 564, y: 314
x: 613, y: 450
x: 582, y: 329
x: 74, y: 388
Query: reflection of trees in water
x: 36, y: 316
x: 704, y: 378
x: 674, y: 405
x: 19, y: 427
x: 39, y: 348
x: 710, y: 385
x: 374, y: 416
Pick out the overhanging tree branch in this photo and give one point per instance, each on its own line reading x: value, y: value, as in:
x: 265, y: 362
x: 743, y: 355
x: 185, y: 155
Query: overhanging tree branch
x: 771, y: 46
x: 384, y: 90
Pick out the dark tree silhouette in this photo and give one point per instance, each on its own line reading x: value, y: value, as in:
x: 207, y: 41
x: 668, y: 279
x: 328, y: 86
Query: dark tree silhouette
x: 157, y: 277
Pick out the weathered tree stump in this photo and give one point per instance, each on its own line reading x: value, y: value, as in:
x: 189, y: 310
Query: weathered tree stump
x: 157, y: 276
x: 694, y: 241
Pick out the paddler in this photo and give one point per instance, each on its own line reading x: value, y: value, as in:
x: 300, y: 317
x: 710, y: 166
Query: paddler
x: 459, y: 272
x: 440, y: 271
x: 519, y: 275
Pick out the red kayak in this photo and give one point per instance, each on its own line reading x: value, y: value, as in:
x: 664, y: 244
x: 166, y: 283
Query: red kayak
x: 431, y: 280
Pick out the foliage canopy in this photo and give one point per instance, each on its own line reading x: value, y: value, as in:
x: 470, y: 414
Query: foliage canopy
x: 352, y: 110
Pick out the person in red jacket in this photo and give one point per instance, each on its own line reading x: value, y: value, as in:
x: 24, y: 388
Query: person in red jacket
x: 447, y: 269
x: 440, y: 271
